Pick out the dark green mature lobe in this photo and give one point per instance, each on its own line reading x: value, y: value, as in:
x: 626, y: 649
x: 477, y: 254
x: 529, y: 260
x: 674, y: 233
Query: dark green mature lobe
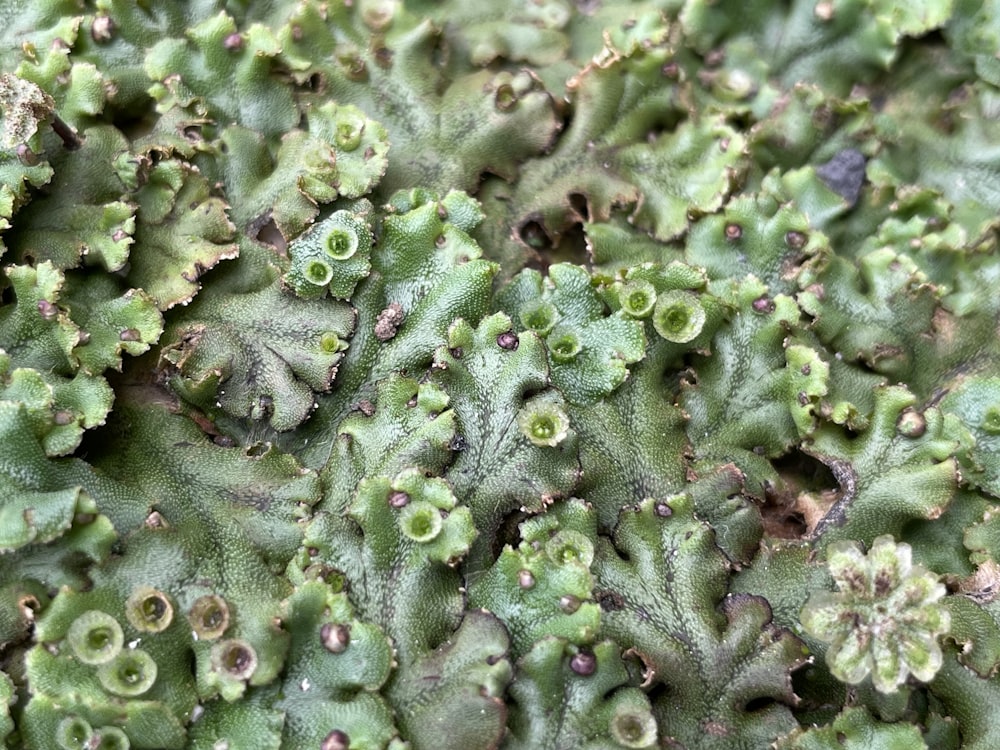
x: 393, y: 374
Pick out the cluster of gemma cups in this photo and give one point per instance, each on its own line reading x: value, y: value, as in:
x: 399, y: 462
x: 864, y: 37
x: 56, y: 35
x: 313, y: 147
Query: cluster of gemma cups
x: 677, y: 316
x: 123, y: 669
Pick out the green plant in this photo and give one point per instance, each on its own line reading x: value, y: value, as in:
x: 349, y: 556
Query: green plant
x: 539, y: 374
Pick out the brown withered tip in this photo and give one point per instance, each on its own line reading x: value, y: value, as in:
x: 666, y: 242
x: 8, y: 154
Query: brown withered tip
x: 389, y: 321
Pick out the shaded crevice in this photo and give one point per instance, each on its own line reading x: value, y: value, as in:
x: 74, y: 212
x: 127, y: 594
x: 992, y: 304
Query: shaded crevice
x: 580, y: 207
x: 797, y: 503
x: 532, y: 233
x: 508, y: 532
x: 549, y: 247
x: 804, y: 472
x: 846, y: 479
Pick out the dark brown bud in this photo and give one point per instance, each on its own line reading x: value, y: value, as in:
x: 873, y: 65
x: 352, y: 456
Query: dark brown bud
x: 63, y: 417
x: 796, y: 240
x: 335, y: 636
x: 569, y: 603
x: 911, y: 423
x: 102, y: 29
x: 336, y: 740
x: 584, y: 663
x: 47, y: 309
x: 508, y: 340
x: 398, y: 499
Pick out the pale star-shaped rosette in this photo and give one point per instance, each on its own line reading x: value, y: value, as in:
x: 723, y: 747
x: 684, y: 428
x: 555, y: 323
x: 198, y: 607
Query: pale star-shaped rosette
x: 884, y: 619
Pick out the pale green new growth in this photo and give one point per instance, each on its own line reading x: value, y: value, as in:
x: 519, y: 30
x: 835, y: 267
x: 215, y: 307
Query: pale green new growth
x: 884, y: 619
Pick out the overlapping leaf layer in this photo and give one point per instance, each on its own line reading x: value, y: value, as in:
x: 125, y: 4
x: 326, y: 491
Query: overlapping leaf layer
x: 542, y: 374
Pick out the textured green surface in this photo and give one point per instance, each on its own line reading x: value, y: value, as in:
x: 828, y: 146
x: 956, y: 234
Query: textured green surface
x: 400, y: 374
